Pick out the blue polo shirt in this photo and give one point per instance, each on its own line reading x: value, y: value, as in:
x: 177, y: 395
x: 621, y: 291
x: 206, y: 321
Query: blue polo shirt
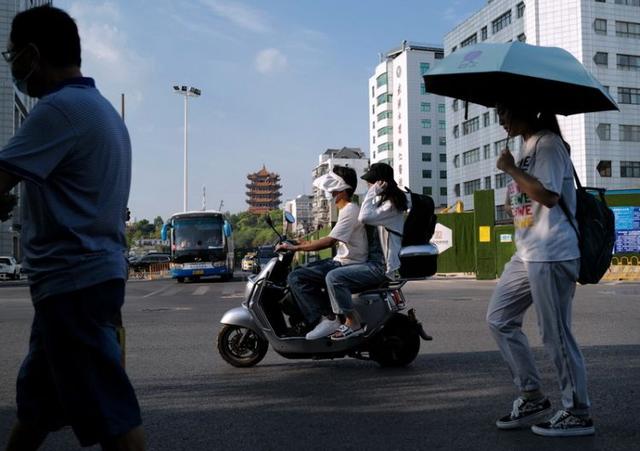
x: 74, y: 154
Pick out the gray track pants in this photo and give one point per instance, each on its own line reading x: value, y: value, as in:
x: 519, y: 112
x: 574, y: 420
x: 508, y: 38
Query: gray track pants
x: 550, y: 286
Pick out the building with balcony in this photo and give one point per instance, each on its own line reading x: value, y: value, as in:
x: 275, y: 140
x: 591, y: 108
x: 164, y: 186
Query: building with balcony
x: 14, y: 108
x: 323, y: 210
x: 263, y: 193
x: 605, y: 146
x: 407, y: 124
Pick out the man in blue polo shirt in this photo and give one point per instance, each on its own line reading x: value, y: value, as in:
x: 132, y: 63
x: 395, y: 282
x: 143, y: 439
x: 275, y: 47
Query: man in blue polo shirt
x: 74, y: 155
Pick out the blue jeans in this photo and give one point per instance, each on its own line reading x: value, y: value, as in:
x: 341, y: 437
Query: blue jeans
x: 345, y: 280
x: 307, y: 283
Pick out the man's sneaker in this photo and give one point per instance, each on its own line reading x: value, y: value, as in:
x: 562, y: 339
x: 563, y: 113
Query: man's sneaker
x: 525, y: 413
x: 565, y: 424
x: 324, y: 328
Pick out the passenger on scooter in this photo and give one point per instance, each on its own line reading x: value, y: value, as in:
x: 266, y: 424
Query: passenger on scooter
x: 307, y: 282
x: 383, y: 206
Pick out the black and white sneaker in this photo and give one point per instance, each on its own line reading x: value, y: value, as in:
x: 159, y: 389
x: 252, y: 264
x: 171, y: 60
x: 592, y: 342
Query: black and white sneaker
x: 565, y: 424
x: 525, y: 413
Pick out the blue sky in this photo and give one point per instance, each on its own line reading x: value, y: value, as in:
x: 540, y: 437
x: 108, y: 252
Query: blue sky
x: 281, y: 81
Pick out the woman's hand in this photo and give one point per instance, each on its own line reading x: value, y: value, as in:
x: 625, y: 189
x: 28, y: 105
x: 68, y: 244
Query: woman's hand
x: 380, y: 187
x: 505, y: 161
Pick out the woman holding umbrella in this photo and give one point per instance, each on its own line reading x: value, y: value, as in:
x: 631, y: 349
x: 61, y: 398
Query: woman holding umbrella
x: 542, y: 272
x: 525, y: 80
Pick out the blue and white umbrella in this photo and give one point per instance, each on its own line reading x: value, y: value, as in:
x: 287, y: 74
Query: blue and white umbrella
x: 540, y: 78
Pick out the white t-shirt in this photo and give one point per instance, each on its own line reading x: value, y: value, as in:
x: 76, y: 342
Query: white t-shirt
x: 351, y: 236
x: 544, y: 234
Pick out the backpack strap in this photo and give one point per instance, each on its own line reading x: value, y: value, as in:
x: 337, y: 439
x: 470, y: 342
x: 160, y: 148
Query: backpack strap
x: 568, y: 215
x: 393, y: 232
x: 563, y: 205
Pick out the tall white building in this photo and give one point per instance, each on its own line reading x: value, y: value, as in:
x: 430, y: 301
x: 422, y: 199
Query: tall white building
x: 605, y: 36
x: 14, y: 107
x: 408, y: 126
x: 300, y: 208
x: 323, y: 213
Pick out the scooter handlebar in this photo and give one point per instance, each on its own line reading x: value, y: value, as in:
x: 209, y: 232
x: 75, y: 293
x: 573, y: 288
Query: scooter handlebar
x: 288, y: 241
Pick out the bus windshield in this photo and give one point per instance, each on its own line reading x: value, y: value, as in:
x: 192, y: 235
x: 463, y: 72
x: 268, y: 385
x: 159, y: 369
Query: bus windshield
x: 197, y: 233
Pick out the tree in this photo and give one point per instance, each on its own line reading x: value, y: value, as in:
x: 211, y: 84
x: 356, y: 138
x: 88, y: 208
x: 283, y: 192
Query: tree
x: 157, y: 225
x: 251, y: 230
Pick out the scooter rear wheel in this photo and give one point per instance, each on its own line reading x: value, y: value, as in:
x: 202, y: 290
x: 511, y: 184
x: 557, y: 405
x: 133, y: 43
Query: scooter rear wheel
x: 241, y: 347
x: 397, y: 344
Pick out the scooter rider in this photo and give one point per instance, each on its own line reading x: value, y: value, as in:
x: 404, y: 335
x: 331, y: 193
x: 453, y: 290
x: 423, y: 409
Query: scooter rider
x: 349, y: 234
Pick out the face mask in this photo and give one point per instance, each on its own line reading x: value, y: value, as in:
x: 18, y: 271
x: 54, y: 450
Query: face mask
x: 21, y: 84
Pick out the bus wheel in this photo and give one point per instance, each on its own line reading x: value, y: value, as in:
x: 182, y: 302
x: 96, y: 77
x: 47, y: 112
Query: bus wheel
x: 180, y: 279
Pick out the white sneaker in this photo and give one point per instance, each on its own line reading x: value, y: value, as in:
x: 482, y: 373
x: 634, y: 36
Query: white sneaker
x: 324, y: 328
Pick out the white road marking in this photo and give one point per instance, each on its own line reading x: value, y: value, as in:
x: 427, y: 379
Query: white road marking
x: 172, y: 291
x: 153, y: 293
x: 200, y: 291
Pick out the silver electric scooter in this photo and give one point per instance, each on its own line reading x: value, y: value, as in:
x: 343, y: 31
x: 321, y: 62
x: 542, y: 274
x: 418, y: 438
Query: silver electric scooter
x: 269, y: 315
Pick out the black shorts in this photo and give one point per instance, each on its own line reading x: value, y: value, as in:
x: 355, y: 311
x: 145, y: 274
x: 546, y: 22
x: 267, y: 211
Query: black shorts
x: 72, y: 374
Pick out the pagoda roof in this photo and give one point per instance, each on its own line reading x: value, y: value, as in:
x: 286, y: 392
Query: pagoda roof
x: 264, y: 173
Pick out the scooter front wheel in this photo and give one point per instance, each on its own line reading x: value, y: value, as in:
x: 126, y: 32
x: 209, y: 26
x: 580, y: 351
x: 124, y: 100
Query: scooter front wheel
x: 241, y: 347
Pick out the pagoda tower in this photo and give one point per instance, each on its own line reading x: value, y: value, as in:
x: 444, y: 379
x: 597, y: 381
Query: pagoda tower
x: 263, y: 193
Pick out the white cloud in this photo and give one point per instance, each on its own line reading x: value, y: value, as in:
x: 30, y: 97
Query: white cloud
x: 106, y: 55
x: 241, y: 15
x: 270, y: 60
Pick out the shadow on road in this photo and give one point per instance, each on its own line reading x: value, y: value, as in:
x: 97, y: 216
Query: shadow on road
x: 441, y: 402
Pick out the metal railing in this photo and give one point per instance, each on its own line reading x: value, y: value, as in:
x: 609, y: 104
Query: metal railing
x: 155, y: 271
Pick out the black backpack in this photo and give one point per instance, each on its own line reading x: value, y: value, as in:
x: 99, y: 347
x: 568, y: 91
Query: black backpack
x: 596, y: 232
x: 419, y: 227
x: 420, y: 223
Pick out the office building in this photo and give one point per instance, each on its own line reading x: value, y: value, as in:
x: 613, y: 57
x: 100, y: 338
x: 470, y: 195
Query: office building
x: 407, y: 124
x: 14, y: 108
x: 605, y: 146
x: 300, y: 208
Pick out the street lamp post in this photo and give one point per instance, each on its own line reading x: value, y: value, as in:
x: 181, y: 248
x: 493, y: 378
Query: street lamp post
x: 186, y: 91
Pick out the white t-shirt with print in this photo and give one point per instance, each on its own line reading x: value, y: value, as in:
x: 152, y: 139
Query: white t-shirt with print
x: 544, y: 234
x: 351, y: 235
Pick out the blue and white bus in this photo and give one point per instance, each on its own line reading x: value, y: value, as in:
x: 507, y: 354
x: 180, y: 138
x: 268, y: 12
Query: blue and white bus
x: 201, y: 244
